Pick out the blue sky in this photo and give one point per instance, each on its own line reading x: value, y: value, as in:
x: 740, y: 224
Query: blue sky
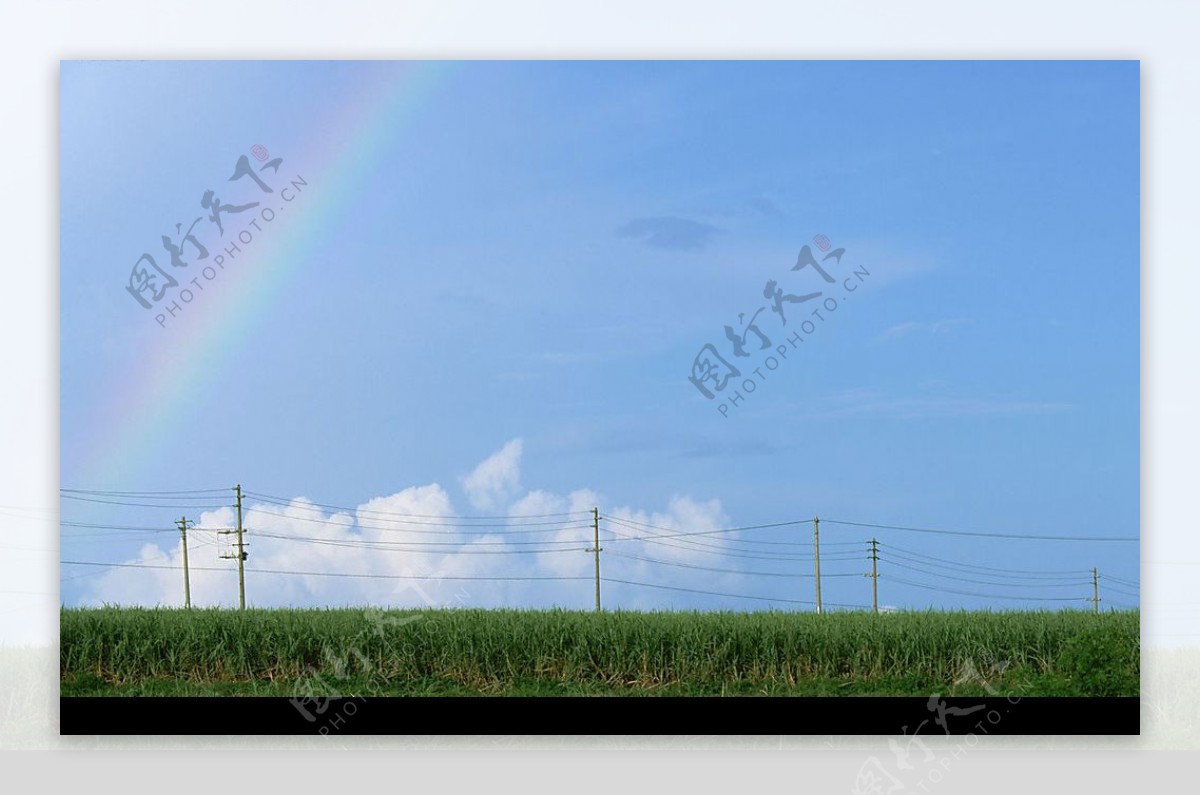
x: 494, y: 307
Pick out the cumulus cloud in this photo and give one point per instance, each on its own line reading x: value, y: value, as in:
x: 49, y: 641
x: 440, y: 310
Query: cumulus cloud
x: 683, y: 515
x: 496, y: 478
x: 416, y: 548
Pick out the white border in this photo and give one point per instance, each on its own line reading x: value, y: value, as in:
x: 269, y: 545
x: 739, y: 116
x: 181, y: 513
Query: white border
x: 1161, y: 34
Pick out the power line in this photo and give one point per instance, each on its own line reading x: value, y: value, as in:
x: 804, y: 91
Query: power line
x: 985, y: 571
x: 989, y: 596
x: 725, y: 571
x: 718, y: 593
x: 95, y: 525
x: 375, y: 515
x: 680, y: 538
x: 124, y: 499
x: 1122, y: 591
x: 102, y: 493
x: 693, y: 545
x: 557, y: 528
x: 454, y: 543
x: 203, y: 541
x: 448, y: 540
x: 443, y: 521
x: 316, y: 573
x: 494, y: 529
x: 126, y: 503
x: 1048, y: 572
x: 413, y: 576
x: 675, y: 534
x: 346, y: 509
x: 94, y: 538
x: 717, y: 550
x: 106, y: 566
x: 982, y: 535
x: 457, y: 547
x: 738, y: 543
x: 985, y: 582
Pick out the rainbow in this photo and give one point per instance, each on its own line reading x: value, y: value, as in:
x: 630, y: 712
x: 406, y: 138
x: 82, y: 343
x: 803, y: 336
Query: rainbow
x: 176, y: 365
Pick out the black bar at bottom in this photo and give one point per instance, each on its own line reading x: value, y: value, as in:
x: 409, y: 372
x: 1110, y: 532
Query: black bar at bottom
x: 730, y: 715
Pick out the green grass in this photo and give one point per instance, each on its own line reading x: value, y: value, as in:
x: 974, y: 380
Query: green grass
x: 466, y: 652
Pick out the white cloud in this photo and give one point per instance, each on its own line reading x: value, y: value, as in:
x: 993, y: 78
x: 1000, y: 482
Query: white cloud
x: 497, y: 478
x: 414, y: 548
x: 683, y: 515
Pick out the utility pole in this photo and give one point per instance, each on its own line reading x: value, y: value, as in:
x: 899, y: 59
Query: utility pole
x: 817, y: 555
x: 187, y: 586
x: 596, y: 549
x: 1095, y: 591
x: 241, y: 549
x: 241, y: 552
x: 874, y: 576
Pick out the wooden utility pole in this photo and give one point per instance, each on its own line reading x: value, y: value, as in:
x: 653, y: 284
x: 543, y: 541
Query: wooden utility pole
x: 187, y: 586
x: 1095, y: 591
x: 874, y: 576
x: 241, y: 552
x: 817, y: 557
x: 596, y: 549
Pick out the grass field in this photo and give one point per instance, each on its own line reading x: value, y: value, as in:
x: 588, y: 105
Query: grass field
x: 118, y: 651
